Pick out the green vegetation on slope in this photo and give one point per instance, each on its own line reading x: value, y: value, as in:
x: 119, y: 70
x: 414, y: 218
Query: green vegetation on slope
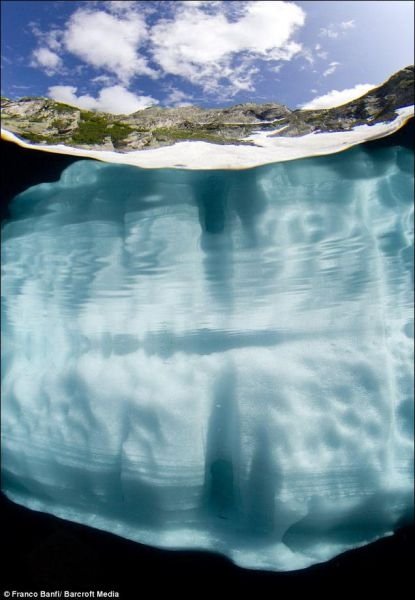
x: 94, y: 129
x: 59, y: 123
x: 37, y: 138
x: 171, y: 134
x: 119, y: 131
x: 64, y: 108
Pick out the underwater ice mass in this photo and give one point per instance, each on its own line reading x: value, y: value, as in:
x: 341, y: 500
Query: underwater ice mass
x: 216, y: 360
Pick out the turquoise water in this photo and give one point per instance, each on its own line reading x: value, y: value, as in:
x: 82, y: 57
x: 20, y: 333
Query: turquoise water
x: 217, y: 360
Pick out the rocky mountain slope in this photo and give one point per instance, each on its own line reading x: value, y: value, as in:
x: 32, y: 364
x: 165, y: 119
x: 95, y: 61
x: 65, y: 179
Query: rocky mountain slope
x: 45, y: 121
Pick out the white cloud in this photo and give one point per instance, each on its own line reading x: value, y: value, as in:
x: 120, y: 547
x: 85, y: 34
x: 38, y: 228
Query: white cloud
x: 331, y: 32
x: 47, y: 60
x: 121, y: 6
x: 215, y: 45
x: 200, y: 45
x: 336, y: 30
x: 331, y: 69
x: 307, y: 54
x: 177, y: 98
x: 348, y: 24
x: 67, y: 94
x: 114, y: 99
x: 46, y: 56
x: 103, y: 79
x: 51, y: 38
x: 338, y: 97
x: 129, y: 7
x: 109, y: 42
x: 196, y: 2
x: 320, y: 52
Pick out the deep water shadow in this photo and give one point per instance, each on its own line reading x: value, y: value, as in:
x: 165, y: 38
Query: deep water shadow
x: 262, y: 487
x: 22, y: 168
x: 223, y: 449
x: 212, y: 199
x: 248, y: 201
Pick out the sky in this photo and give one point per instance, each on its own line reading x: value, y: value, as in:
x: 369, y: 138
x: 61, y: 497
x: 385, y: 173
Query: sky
x: 123, y: 56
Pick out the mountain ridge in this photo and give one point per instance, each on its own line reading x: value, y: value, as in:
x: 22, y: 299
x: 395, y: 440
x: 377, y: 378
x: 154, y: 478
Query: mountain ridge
x: 45, y: 121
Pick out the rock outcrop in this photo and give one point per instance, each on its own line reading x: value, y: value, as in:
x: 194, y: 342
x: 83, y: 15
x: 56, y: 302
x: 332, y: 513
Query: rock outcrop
x: 45, y: 121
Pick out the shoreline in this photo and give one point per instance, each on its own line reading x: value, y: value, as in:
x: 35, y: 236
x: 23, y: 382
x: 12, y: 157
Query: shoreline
x: 198, y: 155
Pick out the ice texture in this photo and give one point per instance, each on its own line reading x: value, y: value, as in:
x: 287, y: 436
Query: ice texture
x: 215, y: 360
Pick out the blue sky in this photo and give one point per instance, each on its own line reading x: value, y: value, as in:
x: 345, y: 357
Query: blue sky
x: 123, y: 56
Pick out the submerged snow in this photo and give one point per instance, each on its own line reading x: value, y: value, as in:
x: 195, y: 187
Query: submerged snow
x: 216, y: 360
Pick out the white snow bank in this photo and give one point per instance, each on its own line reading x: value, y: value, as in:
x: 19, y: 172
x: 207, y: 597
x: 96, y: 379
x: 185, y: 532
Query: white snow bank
x: 205, y: 156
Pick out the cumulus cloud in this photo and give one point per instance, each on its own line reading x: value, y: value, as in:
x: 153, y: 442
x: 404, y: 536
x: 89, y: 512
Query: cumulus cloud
x: 53, y: 40
x: 331, y: 69
x: 114, y: 99
x: 200, y: 45
x: 212, y: 44
x: 50, y: 38
x: 46, y: 59
x: 110, y: 42
x: 338, y: 97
